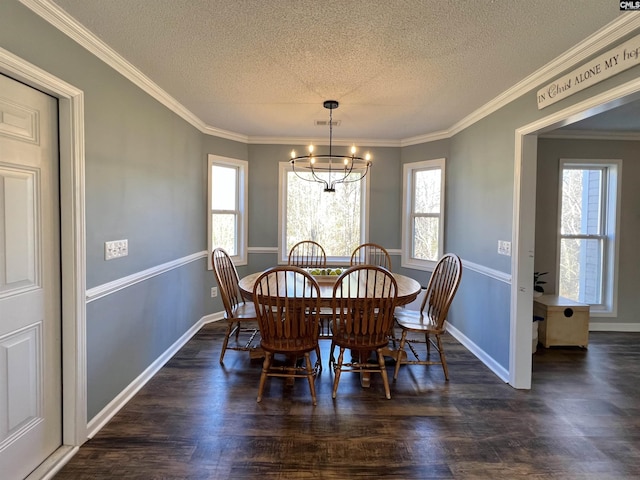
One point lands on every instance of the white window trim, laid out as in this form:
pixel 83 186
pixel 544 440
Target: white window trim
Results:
pixel 243 196
pixel 407 192
pixel 609 308
pixel 283 253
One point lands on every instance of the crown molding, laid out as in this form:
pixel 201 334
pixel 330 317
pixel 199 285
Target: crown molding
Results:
pixel 606 36
pixel 218 132
pixel 58 18
pixel 426 138
pixel 616 30
pixel 591 135
pixel 324 141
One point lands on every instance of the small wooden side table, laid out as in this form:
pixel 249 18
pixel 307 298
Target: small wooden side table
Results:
pixel 566 322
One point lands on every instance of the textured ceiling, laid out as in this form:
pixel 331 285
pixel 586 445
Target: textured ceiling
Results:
pixel 399 68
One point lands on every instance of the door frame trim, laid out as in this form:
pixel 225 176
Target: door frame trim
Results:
pixel 523 233
pixel 72 238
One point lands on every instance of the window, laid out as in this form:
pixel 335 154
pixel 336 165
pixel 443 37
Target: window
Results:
pixel 589 196
pixel 227 225
pixel 336 220
pixel 423 213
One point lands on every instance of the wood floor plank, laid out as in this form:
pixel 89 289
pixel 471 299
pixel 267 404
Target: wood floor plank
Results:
pixel 199 420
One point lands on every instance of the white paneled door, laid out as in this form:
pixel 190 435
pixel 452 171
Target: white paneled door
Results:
pixel 30 324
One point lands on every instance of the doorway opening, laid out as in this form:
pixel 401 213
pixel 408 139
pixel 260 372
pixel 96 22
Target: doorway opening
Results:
pixel 522 266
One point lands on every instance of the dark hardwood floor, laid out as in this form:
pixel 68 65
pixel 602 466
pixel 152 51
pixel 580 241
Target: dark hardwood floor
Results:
pixel 198 420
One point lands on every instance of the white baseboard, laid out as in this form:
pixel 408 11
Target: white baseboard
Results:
pixel 107 413
pixel 54 463
pixel 613 327
pixel 499 370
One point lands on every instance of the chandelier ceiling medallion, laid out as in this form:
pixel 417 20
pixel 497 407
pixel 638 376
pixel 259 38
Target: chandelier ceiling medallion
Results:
pixel 330 169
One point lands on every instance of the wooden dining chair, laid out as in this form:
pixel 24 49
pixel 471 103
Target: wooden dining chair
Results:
pixel 307 253
pixel 240 315
pixel 371 254
pixel 287 303
pixel 441 289
pixel 364 298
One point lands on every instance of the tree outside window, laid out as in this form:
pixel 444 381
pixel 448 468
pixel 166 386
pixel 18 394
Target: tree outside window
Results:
pixel 335 220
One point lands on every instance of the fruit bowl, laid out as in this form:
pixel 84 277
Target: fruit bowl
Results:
pixel 326 275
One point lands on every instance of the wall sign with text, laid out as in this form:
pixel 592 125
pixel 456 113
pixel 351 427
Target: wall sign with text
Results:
pixel 600 68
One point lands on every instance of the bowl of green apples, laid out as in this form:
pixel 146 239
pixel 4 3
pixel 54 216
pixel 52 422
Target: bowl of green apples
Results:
pixel 326 274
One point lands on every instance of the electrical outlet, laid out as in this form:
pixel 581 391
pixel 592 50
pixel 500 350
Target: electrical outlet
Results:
pixel 116 249
pixel 214 292
pixel 504 248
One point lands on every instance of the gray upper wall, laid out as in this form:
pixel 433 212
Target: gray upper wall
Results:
pixel 145 167
pixel 481 182
pixel 145 180
pixel 481 172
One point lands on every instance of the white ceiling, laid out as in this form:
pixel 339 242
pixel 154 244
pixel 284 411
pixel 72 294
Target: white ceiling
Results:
pixel 399 68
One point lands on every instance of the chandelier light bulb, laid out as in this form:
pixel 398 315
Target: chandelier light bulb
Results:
pixel 353 149
pixel 346 162
pixel 367 157
pixel 312 160
pixel 293 154
pixel 310 148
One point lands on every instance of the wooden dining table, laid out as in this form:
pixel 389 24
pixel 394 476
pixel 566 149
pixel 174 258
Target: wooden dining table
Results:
pixel 408 290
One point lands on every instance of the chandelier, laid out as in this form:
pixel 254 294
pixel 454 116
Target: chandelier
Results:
pixel 330 169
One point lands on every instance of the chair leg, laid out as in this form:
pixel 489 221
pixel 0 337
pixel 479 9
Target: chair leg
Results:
pixel 263 377
pixel 238 326
pixel 311 378
pixel 319 360
pixel 332 360
pixel 403 340
pixel 383 371
pixel 337 369
pixel 428 342
pixel 442 359
pixel 226 340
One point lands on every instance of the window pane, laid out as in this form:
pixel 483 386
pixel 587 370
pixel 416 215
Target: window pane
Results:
pixel 224 232
pixel 427 191
pixel 425 238
pixel 581 201
pixel 581 269
pixel 330 218
pixel 223 187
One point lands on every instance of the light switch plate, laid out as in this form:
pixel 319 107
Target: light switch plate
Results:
pixel 116 249
pixel 504 248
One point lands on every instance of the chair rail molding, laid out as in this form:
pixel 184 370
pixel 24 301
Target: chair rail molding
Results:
pixel 488 272
pixel 259 250
pixel 111 287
